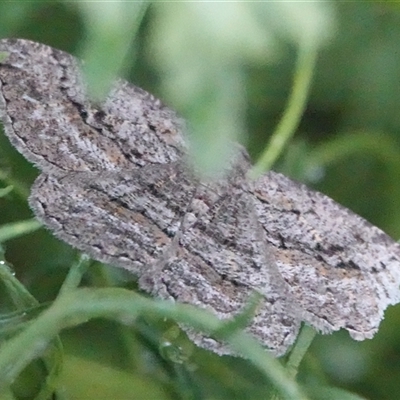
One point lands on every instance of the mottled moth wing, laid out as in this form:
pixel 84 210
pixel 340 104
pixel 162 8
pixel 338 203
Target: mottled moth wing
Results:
pixel 114 185
pixel 41 91
pixel 342 271
pixel 220 258
pixel 127 219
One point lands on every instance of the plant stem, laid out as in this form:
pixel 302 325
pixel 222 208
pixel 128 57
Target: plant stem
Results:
pixel 295 107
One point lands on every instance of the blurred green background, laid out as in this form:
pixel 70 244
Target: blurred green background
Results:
pixel 228 69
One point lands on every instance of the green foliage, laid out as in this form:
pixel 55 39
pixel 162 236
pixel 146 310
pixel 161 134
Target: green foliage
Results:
pixel 229 69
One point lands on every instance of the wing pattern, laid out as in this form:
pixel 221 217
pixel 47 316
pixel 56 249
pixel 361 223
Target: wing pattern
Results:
pixel 115 185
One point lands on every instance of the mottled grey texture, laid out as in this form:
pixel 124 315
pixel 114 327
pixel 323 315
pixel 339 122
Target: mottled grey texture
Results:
pixel 116 186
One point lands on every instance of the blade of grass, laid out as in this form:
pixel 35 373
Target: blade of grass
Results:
pixel 17 229
pixel 78 306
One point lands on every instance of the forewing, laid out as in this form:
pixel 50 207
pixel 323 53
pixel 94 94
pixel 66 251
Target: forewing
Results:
pixel 127 220
pixel 220 260
pixel 343 271
pixel 49 119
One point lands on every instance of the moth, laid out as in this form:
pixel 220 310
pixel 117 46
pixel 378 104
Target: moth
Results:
pixel 116 184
